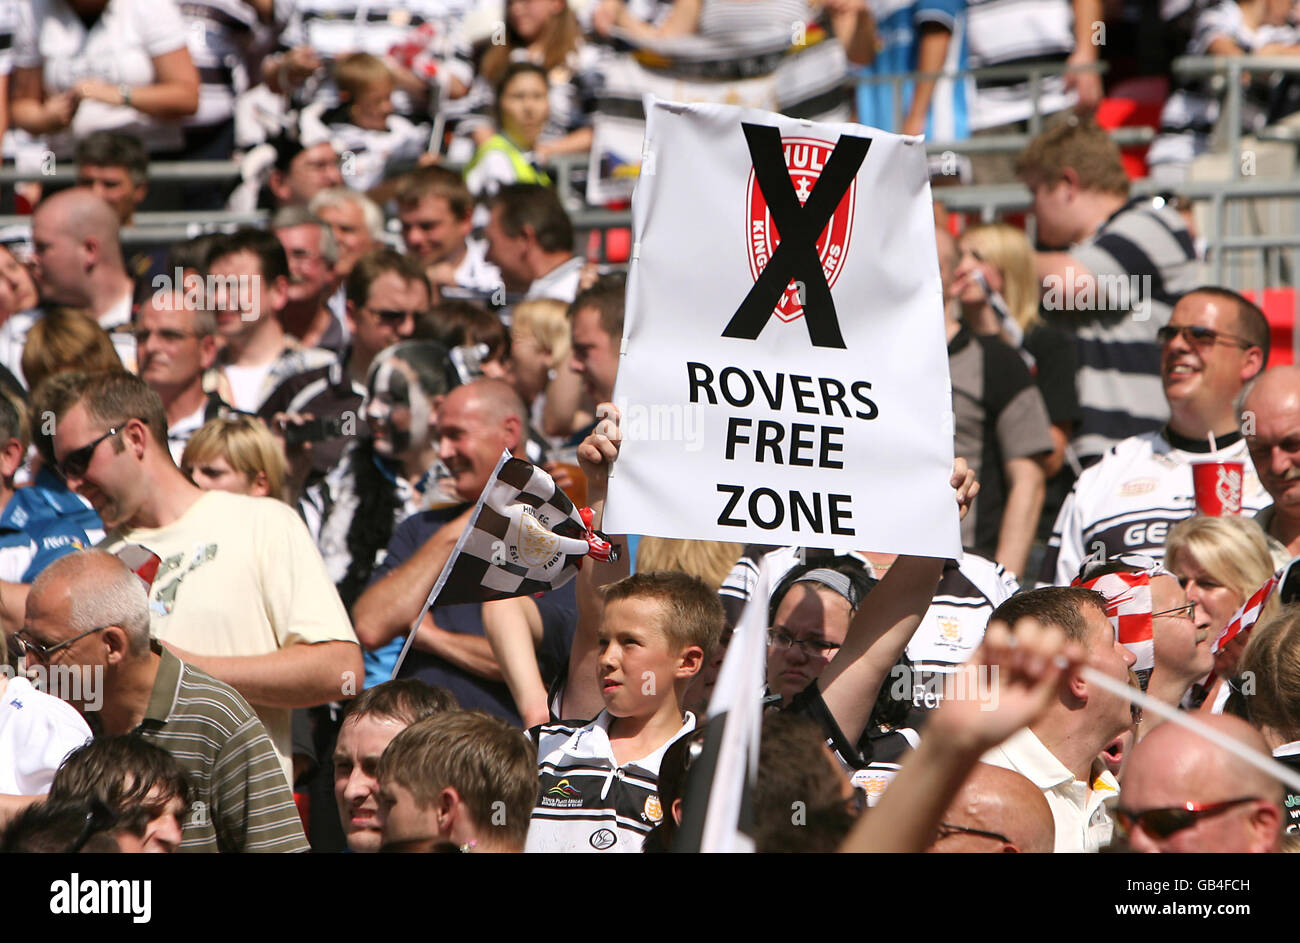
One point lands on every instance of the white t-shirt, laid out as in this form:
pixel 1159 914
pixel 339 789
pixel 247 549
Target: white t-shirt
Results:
pixel 119 48
pixel 247 385
pixel 240 576
pixel 37 731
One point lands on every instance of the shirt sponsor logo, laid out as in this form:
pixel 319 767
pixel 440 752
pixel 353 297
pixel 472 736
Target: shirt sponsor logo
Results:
pixel 602 838
pixel 1138 486
pixel 562 795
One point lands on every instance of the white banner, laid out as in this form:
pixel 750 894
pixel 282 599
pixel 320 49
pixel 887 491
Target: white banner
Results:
pixel 785 376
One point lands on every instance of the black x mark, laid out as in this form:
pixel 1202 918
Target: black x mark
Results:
pixel 799 226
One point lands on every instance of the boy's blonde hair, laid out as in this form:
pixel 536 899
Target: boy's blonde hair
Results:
pixel 244 442
pixel 1008 250
pixel 1081 145
pixel 546 320
pixel 692 612
pixel 359 72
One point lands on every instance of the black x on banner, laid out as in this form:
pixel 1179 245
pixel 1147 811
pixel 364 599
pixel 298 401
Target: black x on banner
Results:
pixel 799 226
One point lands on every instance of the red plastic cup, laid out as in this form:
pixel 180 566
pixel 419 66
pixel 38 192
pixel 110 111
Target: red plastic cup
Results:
pixel 1218 487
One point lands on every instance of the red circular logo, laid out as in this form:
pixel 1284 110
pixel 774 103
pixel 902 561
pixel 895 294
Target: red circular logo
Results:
pixel 804 159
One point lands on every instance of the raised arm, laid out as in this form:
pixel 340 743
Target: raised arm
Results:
pixel 883 626
pixel 514 629
pixel 1029 669
pixel 595 456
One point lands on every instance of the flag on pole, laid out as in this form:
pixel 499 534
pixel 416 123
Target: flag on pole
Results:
pixel 1128 606
pixel 1244 619
pixel 718 808
pixel 525 537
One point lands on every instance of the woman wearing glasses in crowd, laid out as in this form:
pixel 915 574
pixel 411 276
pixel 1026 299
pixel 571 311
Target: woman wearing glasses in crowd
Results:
pixel 1220 561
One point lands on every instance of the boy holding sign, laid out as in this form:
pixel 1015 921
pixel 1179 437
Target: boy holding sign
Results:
pixel 634 656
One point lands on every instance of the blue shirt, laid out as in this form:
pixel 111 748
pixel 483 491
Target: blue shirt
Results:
pixel 559 610
pixel 898 25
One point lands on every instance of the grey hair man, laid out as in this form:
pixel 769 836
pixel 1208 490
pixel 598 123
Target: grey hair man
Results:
pixel 87 611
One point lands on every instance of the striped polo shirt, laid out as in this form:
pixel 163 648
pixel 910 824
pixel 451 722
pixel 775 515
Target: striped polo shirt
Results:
pixel 240 801
pixel 1141 260
pixel 586 801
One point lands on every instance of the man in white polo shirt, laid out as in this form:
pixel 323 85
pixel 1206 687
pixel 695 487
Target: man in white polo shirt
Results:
pixel 1059 753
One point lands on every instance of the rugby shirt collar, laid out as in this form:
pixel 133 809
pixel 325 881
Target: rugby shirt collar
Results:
pixel 592 742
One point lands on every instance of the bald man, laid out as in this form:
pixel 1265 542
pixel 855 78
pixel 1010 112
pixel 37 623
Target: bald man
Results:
pixel 476 423
pixel 997 811
pixel 1234 806
pixel 1271 424
pixel 98 611
pixel 79 262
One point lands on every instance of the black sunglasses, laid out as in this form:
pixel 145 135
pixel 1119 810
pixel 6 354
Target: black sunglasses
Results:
pixel 19 646
pixel 1200 336
pixel 1161 823
pixel 76 462
pixel 947 829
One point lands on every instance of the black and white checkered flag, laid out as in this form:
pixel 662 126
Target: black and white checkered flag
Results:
pixel 524 538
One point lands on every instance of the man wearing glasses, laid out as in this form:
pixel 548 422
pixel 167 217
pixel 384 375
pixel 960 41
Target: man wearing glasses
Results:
pixel 177 345
pixel 997 810
pixel 1214 344
pixel 241 592
pixel 1183 793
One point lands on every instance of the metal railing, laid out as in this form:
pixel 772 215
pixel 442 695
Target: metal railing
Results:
pixel 1227 72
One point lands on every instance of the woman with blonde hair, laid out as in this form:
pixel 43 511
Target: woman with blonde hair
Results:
pixel 67 339
pixel 539 368
pixel 237 454
pixel 996 283
pixel 709 560
pixel 1220 561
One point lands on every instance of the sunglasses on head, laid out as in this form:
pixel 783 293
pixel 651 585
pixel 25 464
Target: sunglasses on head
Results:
pixel 1161 823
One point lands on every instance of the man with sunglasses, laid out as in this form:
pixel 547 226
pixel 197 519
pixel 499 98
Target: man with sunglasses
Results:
pixel 242 592
pixel 1183 793
pixel 1215 343
pixel 997 810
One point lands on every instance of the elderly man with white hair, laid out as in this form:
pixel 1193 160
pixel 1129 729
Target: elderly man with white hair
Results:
pixel 88 610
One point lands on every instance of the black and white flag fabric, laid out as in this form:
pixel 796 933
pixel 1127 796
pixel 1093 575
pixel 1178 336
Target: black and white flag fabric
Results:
pixel 525 537
pixel 718 806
